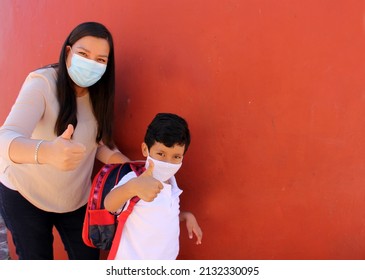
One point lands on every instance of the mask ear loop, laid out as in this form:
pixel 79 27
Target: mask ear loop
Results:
pixel 147 161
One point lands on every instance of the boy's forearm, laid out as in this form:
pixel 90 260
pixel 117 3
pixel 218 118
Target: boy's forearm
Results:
pixel 119 196
pixel 183 216
pixel 144 186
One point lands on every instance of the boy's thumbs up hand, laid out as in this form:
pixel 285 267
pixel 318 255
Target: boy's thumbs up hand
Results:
pixel 66 154
pixel 147 187
pixel 149 169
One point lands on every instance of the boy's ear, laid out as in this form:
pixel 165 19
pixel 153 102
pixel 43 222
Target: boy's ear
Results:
pixel 144 149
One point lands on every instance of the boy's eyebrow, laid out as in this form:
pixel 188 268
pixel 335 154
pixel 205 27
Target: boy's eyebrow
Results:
pixel 164 151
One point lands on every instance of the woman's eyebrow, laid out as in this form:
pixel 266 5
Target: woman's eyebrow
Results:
pixel 86 50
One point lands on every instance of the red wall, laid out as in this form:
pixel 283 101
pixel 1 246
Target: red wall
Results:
pixel 274 92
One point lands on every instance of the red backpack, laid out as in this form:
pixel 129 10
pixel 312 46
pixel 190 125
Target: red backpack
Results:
pixel 101 228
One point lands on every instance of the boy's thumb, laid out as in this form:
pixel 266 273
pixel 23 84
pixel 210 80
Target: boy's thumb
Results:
pixel 149 169
pixel 67 134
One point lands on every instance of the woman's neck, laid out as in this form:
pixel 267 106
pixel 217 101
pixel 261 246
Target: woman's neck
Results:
pixel 80 91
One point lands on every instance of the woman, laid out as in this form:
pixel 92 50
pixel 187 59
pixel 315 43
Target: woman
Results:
pixel 61 121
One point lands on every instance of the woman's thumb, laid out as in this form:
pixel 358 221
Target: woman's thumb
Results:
pixel 67 134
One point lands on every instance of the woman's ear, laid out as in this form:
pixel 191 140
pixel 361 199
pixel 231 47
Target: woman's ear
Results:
pixel 144 149
pixel 68 56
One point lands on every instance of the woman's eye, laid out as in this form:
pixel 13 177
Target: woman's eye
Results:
pixel 100 60
pixel 82 54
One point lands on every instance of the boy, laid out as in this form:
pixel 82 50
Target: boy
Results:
pixel 151 231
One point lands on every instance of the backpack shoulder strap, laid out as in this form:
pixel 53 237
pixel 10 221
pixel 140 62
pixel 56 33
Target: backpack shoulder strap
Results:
pixel 138 168
pixel 122 218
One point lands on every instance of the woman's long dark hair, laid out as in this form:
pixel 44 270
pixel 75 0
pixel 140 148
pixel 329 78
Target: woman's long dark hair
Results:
pixel 101 93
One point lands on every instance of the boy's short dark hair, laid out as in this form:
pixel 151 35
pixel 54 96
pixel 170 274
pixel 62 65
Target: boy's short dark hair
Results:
pixel 168 129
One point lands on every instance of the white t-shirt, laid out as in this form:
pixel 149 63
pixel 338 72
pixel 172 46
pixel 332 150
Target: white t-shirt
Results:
pixel 152 230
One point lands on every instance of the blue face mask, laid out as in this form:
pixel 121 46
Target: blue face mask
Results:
pixel 85 72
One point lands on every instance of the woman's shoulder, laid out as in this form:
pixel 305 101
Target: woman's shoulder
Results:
pixel 43 79
pixel 48 73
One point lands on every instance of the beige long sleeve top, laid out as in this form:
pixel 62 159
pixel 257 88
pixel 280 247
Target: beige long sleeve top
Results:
pixel 33 116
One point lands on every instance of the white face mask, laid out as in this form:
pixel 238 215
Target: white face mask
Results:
pixel 85 72
pixel 163 171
